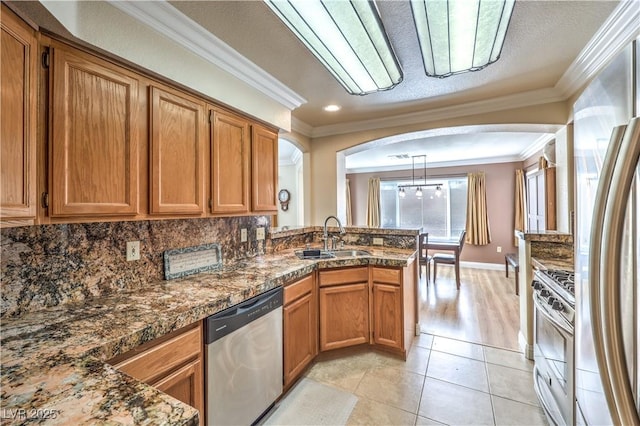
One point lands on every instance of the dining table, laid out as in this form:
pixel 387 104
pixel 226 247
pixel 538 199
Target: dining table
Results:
pixel 447 244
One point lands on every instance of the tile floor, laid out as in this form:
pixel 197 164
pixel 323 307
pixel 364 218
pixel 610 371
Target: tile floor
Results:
pixel 443 381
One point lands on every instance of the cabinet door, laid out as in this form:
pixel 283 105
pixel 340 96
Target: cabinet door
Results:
pixel 387 315
pixel 18 80
pixel 344 315
pixel 230 152
pixel 177 153
pixel 264 169
pixel 186 385
pixel 94 143
pixel 300 338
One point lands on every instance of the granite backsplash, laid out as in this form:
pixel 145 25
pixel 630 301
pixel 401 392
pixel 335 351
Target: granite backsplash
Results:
pixel 281 238
pixel 51 265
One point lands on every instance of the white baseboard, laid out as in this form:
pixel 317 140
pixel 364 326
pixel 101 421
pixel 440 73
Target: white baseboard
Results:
pixel 526 348
pixel 480 265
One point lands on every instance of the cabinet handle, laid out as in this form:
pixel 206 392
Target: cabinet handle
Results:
pixel 45 200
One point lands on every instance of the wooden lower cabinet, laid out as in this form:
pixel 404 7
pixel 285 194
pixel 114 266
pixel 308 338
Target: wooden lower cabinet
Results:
pixel 300 327
pixel 387 315
pixel 172 364
pixel 344 309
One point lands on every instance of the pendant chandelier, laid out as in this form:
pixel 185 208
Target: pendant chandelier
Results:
pixel 421 182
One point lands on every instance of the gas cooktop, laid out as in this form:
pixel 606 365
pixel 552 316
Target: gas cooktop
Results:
pixel 561 281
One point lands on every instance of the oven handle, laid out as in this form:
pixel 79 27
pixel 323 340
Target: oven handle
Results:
pixel 566 327
pixel 617 385
pixel 536 385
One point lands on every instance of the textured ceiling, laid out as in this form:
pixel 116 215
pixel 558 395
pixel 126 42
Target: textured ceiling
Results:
pixel 544 38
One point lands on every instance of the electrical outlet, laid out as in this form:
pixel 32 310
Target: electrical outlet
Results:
pixel 378 241
pixel 133 250
pixel 499 249
pixel 260 234
pixel 243 235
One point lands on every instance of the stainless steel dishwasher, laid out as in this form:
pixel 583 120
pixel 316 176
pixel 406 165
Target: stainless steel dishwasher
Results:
pixel 244 360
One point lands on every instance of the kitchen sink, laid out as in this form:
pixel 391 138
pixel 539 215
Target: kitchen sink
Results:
pixel 350 253
pixel 314 254
pixel 321 254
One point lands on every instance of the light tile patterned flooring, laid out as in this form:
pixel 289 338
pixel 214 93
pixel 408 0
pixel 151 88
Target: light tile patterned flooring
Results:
pixel 443 381
pixel 446 379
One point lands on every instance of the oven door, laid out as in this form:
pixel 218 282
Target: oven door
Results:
pixel 553 372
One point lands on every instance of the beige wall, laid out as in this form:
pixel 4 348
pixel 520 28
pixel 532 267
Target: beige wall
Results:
pixel 324 169
pixel 500 180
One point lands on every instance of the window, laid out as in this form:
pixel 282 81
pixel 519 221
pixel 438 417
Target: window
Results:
pixel 441 216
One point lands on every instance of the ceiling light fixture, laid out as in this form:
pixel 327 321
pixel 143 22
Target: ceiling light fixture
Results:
pixel 460 35
pixel 419 185
pixel 347 37
pixel 332 108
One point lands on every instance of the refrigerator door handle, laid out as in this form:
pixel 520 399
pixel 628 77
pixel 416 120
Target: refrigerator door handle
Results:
pixel 616 383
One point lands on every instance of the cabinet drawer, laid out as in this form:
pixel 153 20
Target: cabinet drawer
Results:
pixel 344 276
pixel 385 275
pixel 297 289
pixel 164 357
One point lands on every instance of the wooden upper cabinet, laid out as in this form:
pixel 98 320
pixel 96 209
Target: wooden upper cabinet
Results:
pixel 230 150
pixel 94 136
pixel 18 80
pixel 264 169
pixel 177 135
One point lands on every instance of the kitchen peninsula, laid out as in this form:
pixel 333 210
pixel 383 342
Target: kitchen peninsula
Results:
pixel 54 360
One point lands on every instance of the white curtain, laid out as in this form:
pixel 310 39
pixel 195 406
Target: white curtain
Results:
pixel 348 198
pixel 373 203
pixel 478 232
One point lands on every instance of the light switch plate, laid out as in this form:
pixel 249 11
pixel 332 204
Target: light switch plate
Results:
pixel 243 235
pixel 499 249
pixel 133 250
pixel 260 234
pixel 378 241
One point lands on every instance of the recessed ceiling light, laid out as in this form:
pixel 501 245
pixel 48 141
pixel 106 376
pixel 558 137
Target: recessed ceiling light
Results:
pixel 332 108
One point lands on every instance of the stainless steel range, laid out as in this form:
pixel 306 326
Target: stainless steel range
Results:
pixel 554 300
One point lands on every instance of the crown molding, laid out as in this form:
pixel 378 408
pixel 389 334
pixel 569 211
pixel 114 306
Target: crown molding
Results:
pixel 301 127
pixel 536 146
pixel 455 163
pixel 524 99
pixel 620 28
pixel 173 24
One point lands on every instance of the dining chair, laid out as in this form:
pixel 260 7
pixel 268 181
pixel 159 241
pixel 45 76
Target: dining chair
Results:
pixel 450 259
pixel 423 255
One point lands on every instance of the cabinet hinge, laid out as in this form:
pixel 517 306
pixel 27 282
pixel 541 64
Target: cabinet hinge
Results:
pixel 45 59
pixel 210 203
pixel 45 200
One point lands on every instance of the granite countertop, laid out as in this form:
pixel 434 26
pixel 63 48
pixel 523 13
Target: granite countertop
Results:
pixel 545 236
pixel 543 264
pixel 53 361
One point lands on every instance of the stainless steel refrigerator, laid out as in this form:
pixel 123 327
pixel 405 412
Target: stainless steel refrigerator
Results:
pixel 607 245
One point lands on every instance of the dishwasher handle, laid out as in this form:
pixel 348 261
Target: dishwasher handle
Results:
pixel 231 319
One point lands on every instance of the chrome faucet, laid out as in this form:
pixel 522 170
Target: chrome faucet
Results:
pixel 325 233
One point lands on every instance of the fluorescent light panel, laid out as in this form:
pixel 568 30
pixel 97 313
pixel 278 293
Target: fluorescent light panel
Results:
pixel 460 35
pixel 347 37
